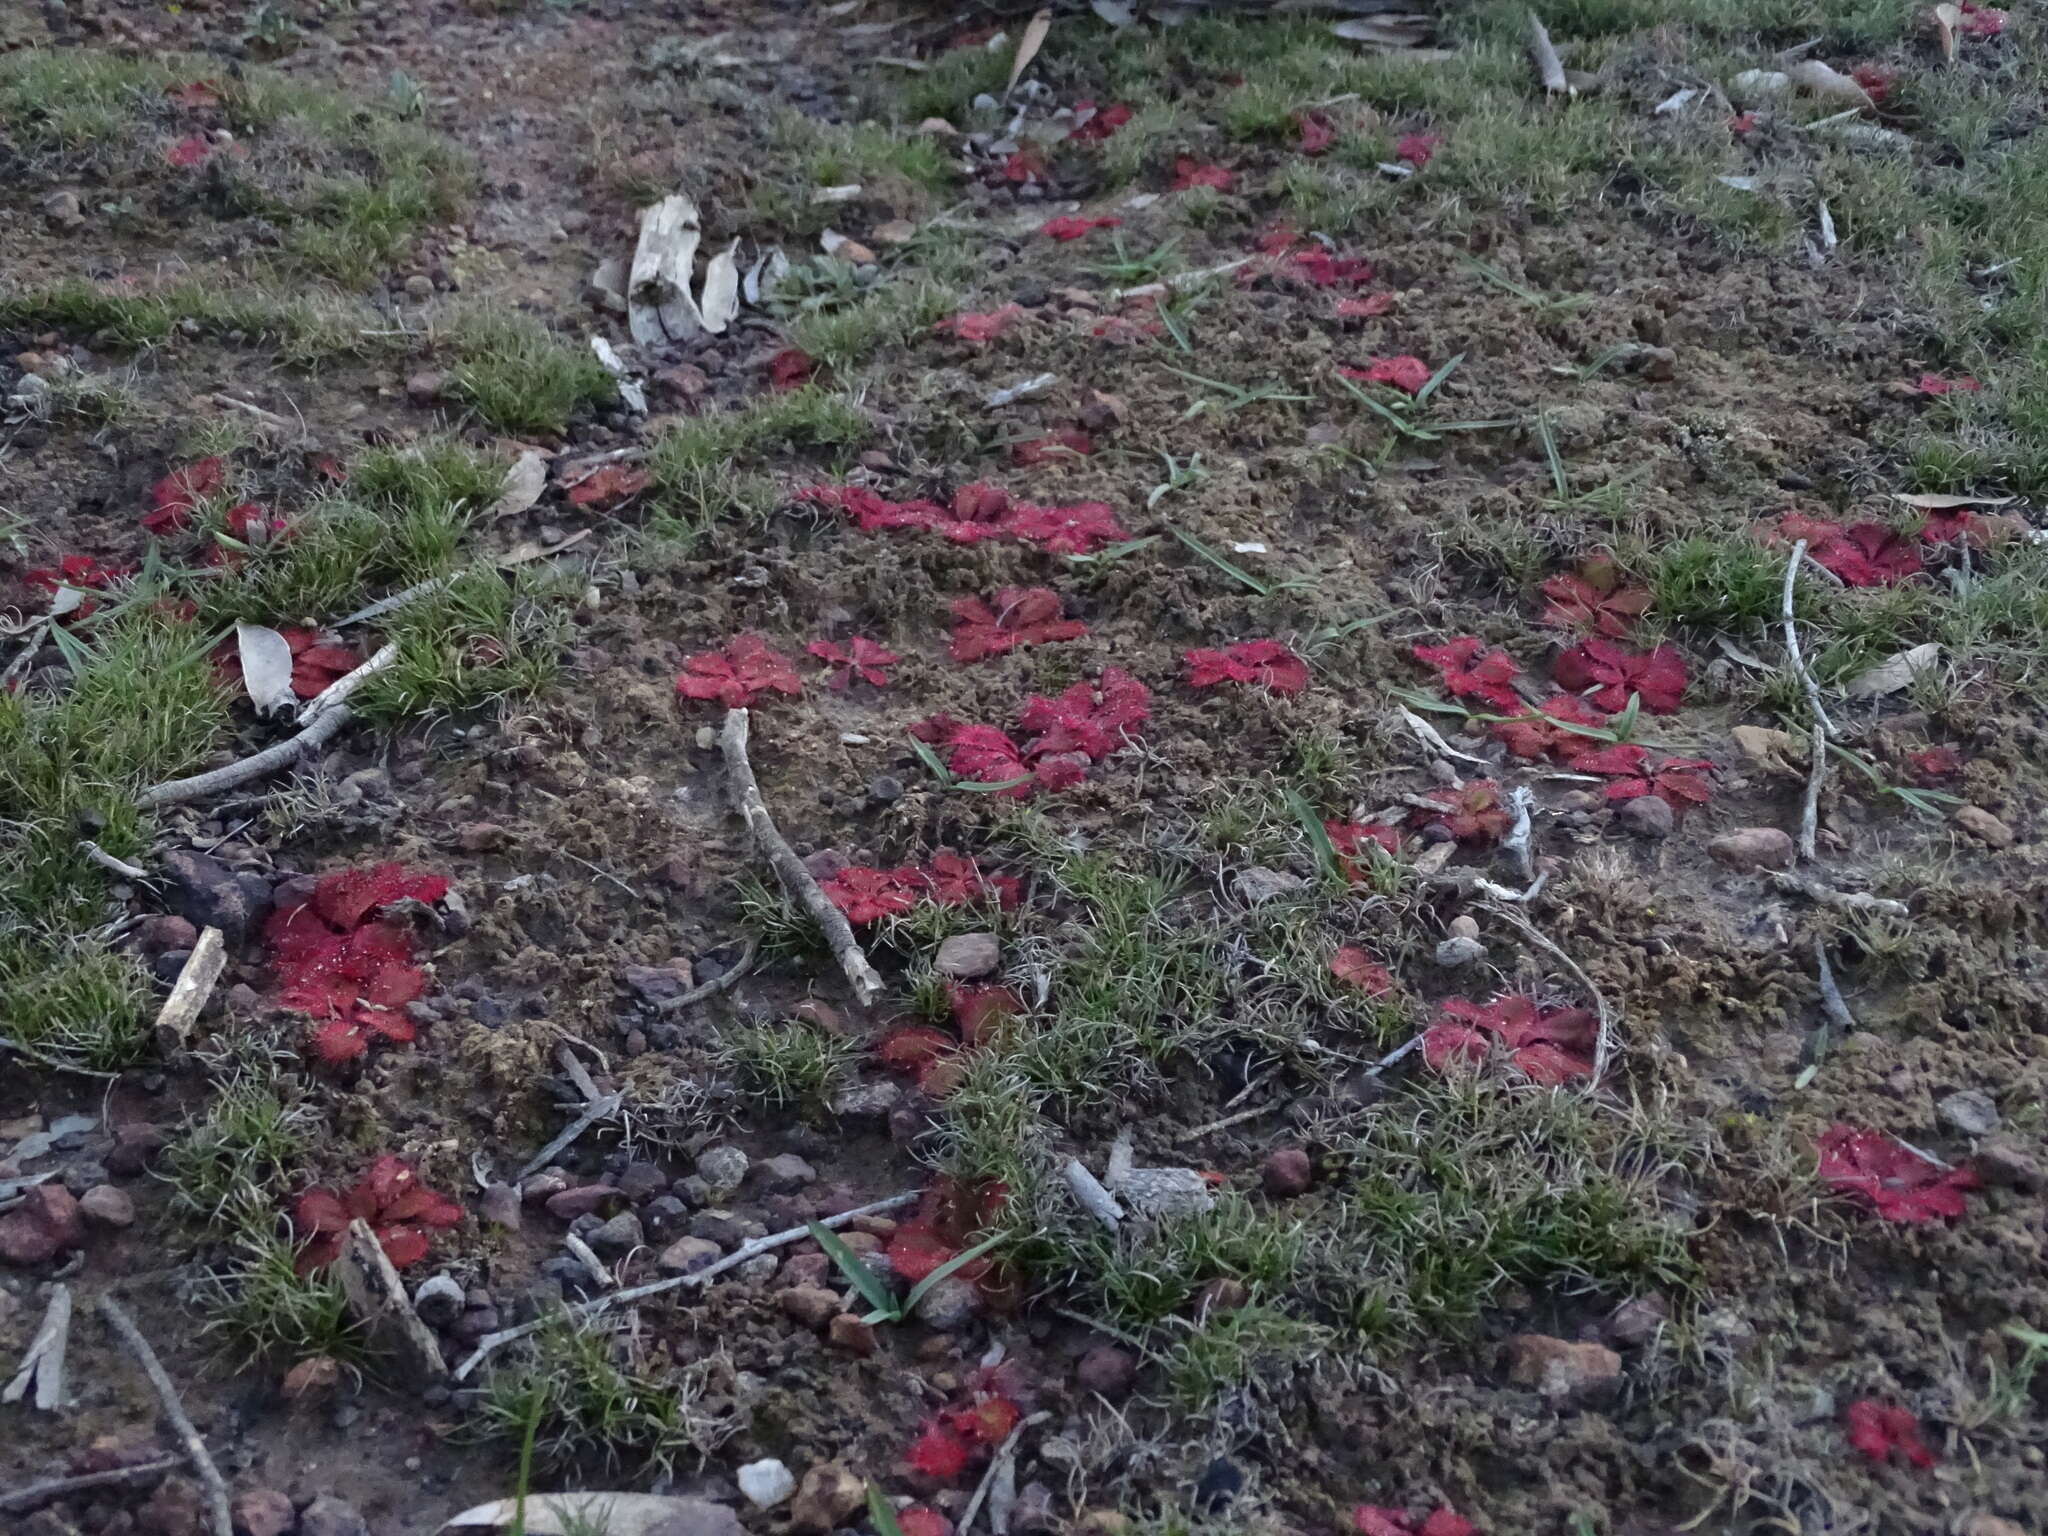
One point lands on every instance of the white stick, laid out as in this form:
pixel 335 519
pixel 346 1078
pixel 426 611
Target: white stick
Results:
pixel 789 869
pixel 1548 65
pixel 107 861
pixel 167 1394
pixel 1091 1196
pixel 738 1256
pixel 1817 766
pixel 336 692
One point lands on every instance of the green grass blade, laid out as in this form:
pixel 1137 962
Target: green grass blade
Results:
pixel 1227 567
pixel 865 1280
pixel 946 1269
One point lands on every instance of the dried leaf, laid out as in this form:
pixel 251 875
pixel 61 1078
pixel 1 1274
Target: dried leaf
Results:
pixel 719 304
pixel 1948 19
pixel 1027 48
pixel 1893 673
pixel 266 668
pixel 1773 751
pixel 522 484
pixel 1830 84
pixel 1115 12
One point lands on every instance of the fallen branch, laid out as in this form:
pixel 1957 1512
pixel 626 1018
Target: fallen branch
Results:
pixel 195 985
pixel 717 984
pixel 43 1364
pixel 789 869
pixel 50 1063
pixel 1548 65
pixel 1828 896
pixel 38 632
pixel 1820 726
pixel 1395 1057
pixel 1603 1041
pixel 174 1410
pixel 739 1255
pixel 269 760
pixel 35 1495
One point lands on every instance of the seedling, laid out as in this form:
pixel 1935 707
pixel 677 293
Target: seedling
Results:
pixel 1928 802
pixel 888 1308
pixel 950 780
pixel 1620 728
pixel 1235 397
pixel 1398 410
pixel 1541 302
pixel 1230 567
pixel 1128 271
pixel 1179 477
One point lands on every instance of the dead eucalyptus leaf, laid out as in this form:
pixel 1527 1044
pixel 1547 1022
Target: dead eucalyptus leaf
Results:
pixel 1114 12
pixel 719 304
pixel 1027 48
pixel 568 1514
pixel 522 484
pixel 1948 20
pixel 1893 673
pixel 1939 502
pixel 266 668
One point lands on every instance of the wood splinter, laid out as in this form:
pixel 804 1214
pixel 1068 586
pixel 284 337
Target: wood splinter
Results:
pixel 181 1010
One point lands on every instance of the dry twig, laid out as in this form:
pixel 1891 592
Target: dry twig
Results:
pixel 35 1495
pixel 789 869
pixel 739 1255
pixel 310 740
pixel 167 1393
pixel 1603 1041
pixel 717 984
pixel 1090 1195
pixel 98 855
pixel 1004 1457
